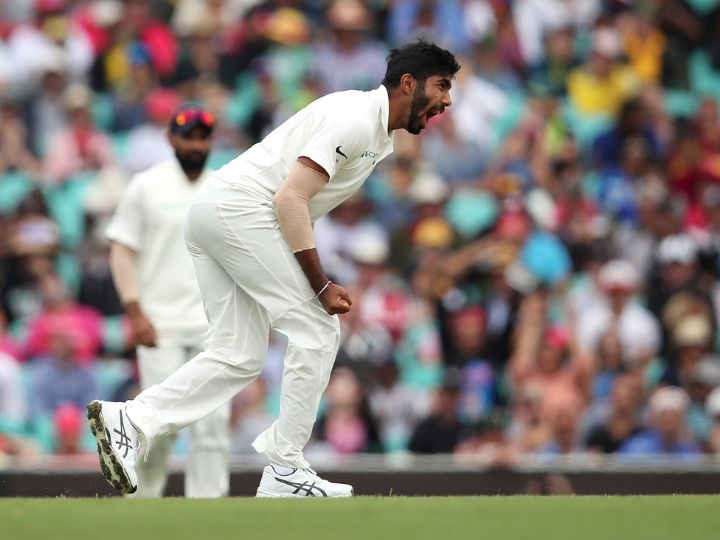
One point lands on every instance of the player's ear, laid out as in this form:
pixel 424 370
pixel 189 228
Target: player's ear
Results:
pixel 408 84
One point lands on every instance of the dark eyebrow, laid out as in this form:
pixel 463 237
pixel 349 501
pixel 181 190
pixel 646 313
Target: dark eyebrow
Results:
pixel 445 82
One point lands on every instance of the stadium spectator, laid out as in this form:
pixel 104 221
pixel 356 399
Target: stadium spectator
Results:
pixel 396 405
pixel 621 420
pixel 147 143
pixel 128 100
pixel 602 83
pixel 441 22
pixel 8 346
pixel 349 57
pixel 440 432
pixel 691 340
pixel 459 160
pixel 562 421
pixel 704 377
pixel 712 407
pixel 678 291
pixel 59 377
pixel 68 421
pixel 546 359
pixel 536 18
pixel 609 357
pixel 12 400
pixel 559 60
pixel 636 328
pixel 684 30
pixel 633 121
pixel 43 108
pixel 81 147
pixel 347 426
pixel 32 42
pixel 346 226
pixel 644 44
pixel 32 240
pixel 480 104
pixel 15 152
pixel 78 325
pixel 139 24
pixel 371 328
pixel 667 431
pixel 249 415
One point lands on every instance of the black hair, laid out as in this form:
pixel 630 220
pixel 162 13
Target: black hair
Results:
pixel 421 59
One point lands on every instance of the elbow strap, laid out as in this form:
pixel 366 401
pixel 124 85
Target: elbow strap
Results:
pixel 291 206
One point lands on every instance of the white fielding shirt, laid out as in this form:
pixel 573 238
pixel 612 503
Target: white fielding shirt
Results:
pixel 346 133
pixel 150 219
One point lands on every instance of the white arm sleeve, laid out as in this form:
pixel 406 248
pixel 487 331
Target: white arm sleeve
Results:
pixel 291 205
pixel 338 140
pixel 122 267
pixel 126 225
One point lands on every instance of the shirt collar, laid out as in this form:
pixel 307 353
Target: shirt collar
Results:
pixel 383 100
pixel 181 173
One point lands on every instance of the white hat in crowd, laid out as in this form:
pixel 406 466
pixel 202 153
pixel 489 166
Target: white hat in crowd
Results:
pixel 369 247
pixel 693 330
pixel 669 398
pixel 427 187
pixel 712 403
pixel 677 248
pixel 618 275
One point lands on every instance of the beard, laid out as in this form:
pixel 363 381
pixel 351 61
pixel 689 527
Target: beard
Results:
pixel 419 102
pixel 193 161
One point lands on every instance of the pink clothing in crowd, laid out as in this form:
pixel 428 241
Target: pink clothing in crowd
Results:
pixel 82 324
pixel 72 152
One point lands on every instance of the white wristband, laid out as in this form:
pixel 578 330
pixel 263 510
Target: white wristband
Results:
pixel 323 289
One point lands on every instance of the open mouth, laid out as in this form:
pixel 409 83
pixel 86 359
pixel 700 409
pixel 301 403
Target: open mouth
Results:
pixel 432 112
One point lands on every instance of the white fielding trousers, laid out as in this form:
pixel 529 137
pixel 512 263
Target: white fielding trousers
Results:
pixel 207 468
pixel 250 282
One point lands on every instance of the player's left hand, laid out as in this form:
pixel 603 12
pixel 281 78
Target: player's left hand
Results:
pixel 335 299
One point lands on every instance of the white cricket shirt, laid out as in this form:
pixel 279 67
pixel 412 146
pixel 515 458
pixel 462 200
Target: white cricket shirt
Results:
pixel 150 219
pixel 346 133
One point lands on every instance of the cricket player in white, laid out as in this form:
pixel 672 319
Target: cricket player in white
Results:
pixel 250 234
pixel 154 275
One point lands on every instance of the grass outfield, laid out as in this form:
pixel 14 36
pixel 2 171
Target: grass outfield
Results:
pixel 367 518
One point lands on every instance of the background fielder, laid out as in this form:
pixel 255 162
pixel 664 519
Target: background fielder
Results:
pixel 156 280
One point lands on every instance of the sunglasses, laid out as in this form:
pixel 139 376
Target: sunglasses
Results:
pixel 192 115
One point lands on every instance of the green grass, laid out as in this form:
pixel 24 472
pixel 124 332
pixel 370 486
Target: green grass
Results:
pixel 367 518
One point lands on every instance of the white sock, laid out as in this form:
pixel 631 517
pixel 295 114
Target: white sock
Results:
pixel 281 469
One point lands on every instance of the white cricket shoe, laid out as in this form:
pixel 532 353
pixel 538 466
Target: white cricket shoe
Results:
pixel 117 443
pixel 299 483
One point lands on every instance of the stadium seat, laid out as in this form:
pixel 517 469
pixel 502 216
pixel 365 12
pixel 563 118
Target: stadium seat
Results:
pixel 14 187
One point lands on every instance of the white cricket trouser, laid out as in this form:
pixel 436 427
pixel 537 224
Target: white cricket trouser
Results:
pixel 250 282
pixel 207 468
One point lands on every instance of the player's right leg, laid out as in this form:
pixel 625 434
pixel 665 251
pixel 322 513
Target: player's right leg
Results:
pixel 235 352
pixel 117 443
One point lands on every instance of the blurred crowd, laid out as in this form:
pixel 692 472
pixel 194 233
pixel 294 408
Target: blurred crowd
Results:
pixel 535 274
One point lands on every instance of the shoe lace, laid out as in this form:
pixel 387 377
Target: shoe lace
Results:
pixel 311 472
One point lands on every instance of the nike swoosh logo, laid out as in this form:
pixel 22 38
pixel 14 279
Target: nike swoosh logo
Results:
pixel 340 152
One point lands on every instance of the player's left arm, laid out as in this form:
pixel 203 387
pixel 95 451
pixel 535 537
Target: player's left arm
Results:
pixel 305 180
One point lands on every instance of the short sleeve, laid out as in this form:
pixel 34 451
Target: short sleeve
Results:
pixel 336 141
pixel 127 223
